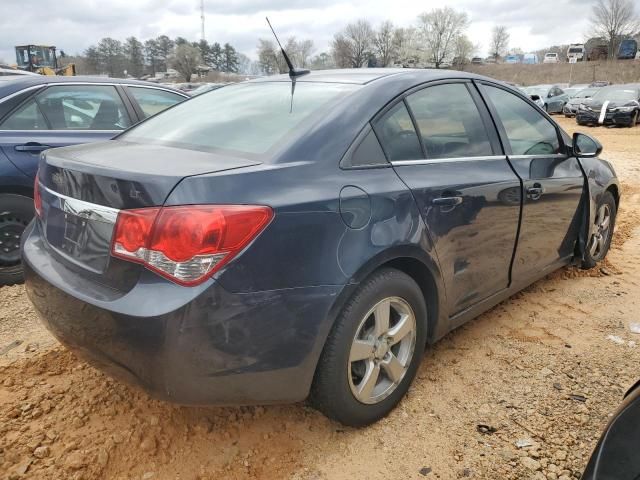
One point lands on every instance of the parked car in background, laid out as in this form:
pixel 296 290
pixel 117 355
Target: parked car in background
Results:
pixel 513 59
pixel 245 248
pixel 186 87
pixel 530 59
pixel 628 49
pixel 616 454
pixel 571 107
pixel 207 87
pixel 40 112
pixel 596 49
pixel 600 83
pixel 14 72
pixel 576 51
pixel 477 60
pixel 573 89
pixel 551 97
pixel 551 57
pixel 612 105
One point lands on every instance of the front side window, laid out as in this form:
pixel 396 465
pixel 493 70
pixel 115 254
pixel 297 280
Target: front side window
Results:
pixel 71 107
pixel 153 100
pixel 249 118
pixel 528 131
pixel 449 122
pixel 398 136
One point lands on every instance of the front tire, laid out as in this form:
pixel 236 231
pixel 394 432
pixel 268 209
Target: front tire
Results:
pixel 373 351
pixel 16 211
pixel 634 120
pixel 604 224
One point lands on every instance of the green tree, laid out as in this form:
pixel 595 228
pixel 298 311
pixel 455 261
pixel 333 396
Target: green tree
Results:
pixel 205 51
pixel 165 49
pixel 180 41
pixel 92 60
pixel 152 53
pixel 215 54
pixel 111 56
pixel 229 59
pixel 133 50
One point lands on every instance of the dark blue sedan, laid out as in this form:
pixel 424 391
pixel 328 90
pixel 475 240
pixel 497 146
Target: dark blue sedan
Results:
pixel 39 112
pixel 308 244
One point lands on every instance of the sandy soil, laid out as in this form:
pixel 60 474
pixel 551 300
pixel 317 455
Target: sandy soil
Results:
pixel 521 392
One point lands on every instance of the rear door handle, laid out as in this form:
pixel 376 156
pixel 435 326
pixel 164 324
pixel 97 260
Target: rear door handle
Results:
pixel 31 147
pixel 446 201
pixel 535 192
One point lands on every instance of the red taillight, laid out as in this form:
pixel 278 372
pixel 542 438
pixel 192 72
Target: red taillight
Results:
pixel 187 244
pixel 37 199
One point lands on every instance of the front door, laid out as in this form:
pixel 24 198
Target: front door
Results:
pixel 552 180
pixel 441 143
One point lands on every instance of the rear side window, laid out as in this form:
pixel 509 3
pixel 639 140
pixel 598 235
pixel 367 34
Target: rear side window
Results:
pixel 366 152
pixel 71 107
pixel 397 135
pixel 153 100
pixel 449 122
pixel 528 131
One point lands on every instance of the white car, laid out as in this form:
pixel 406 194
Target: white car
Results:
pixel 550 57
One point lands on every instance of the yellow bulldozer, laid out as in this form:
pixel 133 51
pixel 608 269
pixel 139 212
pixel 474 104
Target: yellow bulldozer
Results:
pixel 41 59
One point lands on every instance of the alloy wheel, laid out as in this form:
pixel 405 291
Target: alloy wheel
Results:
pixel 381 350
pixel 600 237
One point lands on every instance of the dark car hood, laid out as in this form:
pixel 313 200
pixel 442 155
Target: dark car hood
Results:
pixel 598 104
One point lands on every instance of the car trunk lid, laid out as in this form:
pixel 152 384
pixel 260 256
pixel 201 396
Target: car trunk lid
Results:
pixel 83 188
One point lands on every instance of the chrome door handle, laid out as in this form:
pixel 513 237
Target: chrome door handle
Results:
pixel 446 201
pixel 31 147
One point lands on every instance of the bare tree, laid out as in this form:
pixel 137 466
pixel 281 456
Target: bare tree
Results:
pixel 383 44
pixel 352 47
pixel 270 58
pixel 614 20
pixel 185 60
pixel 464 50
pixel 499 41
pixel 405 41
pixel 439 29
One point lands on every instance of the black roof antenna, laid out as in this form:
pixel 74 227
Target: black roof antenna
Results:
pixel 294 73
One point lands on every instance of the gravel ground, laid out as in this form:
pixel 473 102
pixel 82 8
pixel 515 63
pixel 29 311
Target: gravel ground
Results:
pixel 521 392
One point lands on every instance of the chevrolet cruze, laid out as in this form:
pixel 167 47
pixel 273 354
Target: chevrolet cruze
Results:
pixel 264 244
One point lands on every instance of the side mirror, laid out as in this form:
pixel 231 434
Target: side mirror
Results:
pixel 585 146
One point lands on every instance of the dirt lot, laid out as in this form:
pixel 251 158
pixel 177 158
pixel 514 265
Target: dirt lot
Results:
pixel 521 392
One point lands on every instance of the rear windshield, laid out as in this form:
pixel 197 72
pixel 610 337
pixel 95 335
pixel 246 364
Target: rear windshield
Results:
pixel 248 118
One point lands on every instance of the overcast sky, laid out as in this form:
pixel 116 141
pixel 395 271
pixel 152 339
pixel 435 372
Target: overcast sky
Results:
pixel 73 25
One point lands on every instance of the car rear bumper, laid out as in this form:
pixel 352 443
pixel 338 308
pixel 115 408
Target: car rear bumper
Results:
pixel 611 118
pixel 217 348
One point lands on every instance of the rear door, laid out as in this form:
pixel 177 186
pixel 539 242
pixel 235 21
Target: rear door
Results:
pixel 552 180
pixel 61 115
pixel 442 144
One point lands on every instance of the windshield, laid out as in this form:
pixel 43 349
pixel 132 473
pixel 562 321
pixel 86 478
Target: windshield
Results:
pixel 576 50
pixel 541 92
pixel 616 94
pixel 40 56
pixel 586 93
pixel 249 118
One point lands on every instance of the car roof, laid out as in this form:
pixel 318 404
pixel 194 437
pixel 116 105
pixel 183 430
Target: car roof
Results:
pixel 18 83
pixel 363 76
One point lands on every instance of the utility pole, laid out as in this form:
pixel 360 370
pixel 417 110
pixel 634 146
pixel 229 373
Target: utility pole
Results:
pixel 201 19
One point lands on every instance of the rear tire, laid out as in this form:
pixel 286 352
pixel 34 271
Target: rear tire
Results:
pixel 357 350
pixel 604 224
pixel 16 211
